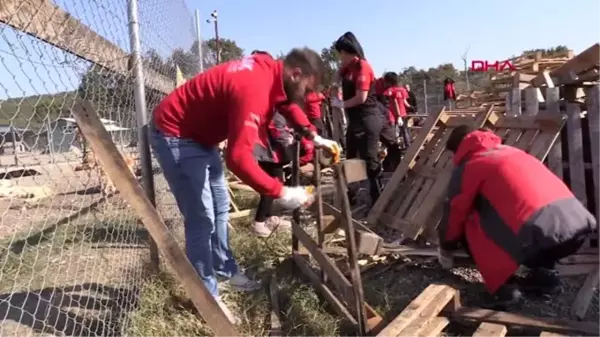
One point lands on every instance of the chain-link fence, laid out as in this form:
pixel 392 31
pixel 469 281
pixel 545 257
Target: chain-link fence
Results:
pixel 72 253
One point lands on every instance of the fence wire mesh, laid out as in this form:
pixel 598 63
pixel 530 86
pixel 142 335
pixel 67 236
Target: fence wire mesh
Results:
pixel 72 253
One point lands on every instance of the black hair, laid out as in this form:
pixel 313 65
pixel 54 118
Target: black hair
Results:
pixel 448 80
pixel 349 43
pixel 307 60
pixel 391 78
pixel 457 135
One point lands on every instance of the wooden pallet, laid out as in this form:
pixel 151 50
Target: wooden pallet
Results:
pixel 405 203
pixel 439 305
pixel 344 294
pixel 412 202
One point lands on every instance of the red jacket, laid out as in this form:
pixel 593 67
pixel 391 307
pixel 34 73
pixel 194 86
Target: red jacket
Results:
pixel 280 150
pixel 397 94
pixel 312 103
pixel 233 101
pixel 508 206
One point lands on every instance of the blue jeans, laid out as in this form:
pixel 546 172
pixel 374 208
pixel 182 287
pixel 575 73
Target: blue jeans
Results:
pixel 196 178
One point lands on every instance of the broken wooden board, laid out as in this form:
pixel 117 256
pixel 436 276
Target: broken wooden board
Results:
pixel 408 200
pixel 439 305
pixel 119 173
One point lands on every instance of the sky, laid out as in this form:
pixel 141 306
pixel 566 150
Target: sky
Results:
pixel 394 34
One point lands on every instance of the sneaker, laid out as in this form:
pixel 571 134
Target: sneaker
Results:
pixel 261 229
pixel 230 315
pixel 278 223
pixel 274 223
pixel 541 282
pixel 240 282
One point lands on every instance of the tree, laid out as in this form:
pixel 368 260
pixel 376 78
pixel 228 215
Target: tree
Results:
pixel 331 59
pixel 229 50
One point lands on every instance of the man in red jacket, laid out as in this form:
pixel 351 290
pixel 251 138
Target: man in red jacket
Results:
pixel 232 101
pixel 507 209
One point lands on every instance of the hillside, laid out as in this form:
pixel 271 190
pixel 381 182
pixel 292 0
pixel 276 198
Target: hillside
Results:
pixel 32 111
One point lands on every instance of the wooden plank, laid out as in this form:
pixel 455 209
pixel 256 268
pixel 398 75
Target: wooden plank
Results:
pixel 574 269
pixel 555 162
pixel 490 329
pixel 580 259
pixel 275 308
pixel 413 310
pixel 335 303
pixel 367 241
pixel 575 144
pixel 550 334
pixel 548 324
pixel 333 272
pixel 432 309
pixel 413 150
pixel 49 23
pixel 434 327
pixel 532 104
pixel 347 224
pixel 117 170
pixel 319 204
pixel 583 61
pixel 515 102
pixel 355 170
pixel 585 294
pixel 593 116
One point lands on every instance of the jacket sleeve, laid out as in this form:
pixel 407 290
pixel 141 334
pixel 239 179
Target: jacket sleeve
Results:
pixel 242 135
pixel 296 116
pixel 457 207
pixel 308 151
pixel 279 131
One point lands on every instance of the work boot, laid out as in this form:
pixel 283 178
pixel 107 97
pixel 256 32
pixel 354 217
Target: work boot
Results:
pixel 506 296
pixel 541 282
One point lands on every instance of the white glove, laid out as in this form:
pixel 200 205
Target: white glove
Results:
pixel 332 146
pixel 445 258
pixel 337 103
pixel 297 196
pixel 400 122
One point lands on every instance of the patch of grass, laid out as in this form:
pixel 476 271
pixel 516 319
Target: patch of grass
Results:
pixel 23 257
pixel 165 310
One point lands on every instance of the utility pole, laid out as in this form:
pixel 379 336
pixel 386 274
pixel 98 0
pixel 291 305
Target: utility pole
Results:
pixel 214 18
pixel 199 36
pixel 464 58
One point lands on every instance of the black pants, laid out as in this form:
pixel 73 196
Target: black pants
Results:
pixel 405 134
pixel 389 140
pixel 318 123
pixel 547 258
pixel 265 205
pixel 362 141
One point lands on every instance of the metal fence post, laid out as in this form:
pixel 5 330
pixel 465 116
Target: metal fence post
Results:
pixel 142 117
pixel 199 37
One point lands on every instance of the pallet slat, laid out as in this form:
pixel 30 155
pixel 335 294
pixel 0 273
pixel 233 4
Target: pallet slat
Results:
pixel 490 329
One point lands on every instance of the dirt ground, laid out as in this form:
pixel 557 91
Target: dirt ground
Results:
pixel 70 263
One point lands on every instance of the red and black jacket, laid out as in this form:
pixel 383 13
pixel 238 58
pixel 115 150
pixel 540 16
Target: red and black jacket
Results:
pixel 358 75
pixel 507 206
pixel 449 90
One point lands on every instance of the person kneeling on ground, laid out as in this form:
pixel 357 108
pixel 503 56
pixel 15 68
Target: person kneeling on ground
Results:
pixel 272 162
pixel 507 209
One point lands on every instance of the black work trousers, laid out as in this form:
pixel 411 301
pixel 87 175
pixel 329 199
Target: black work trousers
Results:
pixel 548 258
pixel 265 205
pixel 390 141
pixel 362 141
pixel 318 123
